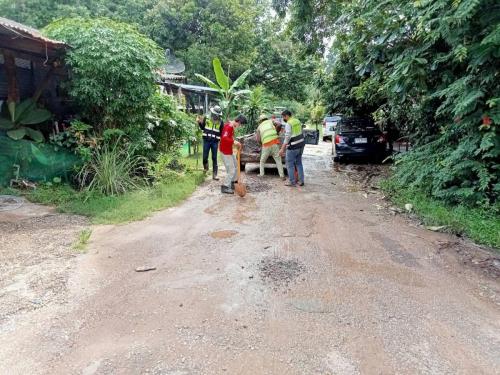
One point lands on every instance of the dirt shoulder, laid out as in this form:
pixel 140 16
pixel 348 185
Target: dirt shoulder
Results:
pixel 315 280
pixel 36 258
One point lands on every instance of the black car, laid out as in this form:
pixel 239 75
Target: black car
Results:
pixel 358 137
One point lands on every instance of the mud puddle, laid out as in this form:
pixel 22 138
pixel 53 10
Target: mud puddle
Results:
pixel 222 234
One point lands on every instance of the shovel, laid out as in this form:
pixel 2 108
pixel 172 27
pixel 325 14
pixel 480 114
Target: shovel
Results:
pixel 239 188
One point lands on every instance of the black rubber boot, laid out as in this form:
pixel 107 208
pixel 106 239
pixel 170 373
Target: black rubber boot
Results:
pixel 205 167
pixel 224 189
pixel 232 184
pixel 214 174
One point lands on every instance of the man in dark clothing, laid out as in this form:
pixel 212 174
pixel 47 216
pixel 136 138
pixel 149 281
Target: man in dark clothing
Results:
pixel 212 129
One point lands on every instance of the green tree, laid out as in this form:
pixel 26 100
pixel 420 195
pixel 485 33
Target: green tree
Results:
pixel 39 13
pixel 168 127
pixel 279 65
pixel 199 30
pixel 229 91
pixel 113 70
pixel 244 33
pixel 430 67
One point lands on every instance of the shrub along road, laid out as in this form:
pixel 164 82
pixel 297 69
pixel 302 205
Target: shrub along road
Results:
pixel 318 280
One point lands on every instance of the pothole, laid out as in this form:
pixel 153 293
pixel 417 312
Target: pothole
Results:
pixel 280 272
pixel 221 234
pixel 256 186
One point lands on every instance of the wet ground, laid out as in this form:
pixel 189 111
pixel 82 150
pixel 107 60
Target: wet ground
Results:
pixel 323 279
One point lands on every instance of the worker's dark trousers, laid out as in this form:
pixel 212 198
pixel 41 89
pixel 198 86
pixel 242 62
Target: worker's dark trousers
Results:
pixel 210 145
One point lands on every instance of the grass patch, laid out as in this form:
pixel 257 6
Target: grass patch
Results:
pixel 134 205
pixel 82 240
pixel 480 225
pixel 131 206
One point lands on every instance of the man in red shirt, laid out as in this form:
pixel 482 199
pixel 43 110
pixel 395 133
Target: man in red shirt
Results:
pixel 226 148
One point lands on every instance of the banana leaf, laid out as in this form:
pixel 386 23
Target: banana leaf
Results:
pixel 221 77
pixel 12 110
pixel 240 80
pixel 17 134
pixel 35 116
pixel 35 135
pixel 208 82
pixel 6 124
pixel 25 107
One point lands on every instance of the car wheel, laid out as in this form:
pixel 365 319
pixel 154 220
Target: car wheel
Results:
pixel 336 159
pixel 380 158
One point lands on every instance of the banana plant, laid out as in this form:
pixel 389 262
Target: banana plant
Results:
pixel 22 114
pixel 228 91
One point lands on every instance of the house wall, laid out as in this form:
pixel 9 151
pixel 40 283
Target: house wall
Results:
pixel 29 76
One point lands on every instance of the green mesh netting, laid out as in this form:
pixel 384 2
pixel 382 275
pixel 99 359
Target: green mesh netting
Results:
pixel 33 161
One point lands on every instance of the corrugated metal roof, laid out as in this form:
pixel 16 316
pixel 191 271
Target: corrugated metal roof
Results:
pixel 191 87
pixel 173 76
pixel 27 32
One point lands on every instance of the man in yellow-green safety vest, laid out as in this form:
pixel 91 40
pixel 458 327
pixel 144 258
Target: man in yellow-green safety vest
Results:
pixel 294 145
pixel 268 136
pixel 212 129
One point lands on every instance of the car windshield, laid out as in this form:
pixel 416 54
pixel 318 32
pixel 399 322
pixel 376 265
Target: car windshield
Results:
pixel 357 125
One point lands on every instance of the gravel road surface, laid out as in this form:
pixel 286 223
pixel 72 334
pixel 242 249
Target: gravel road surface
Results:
pixel 323 279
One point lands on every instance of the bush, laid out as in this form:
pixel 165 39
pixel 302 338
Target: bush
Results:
pixel 167 167
pixel 434 75
pixel 112 170
pixel 76 138
pixel 168 128
pixel 113 69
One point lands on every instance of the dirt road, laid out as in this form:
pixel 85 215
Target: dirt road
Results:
pixel 315 280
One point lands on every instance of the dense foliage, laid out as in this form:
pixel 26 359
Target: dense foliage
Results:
pixel 199 30
pixel 280 65
pixel 168 128
pixel 113 69
pixel 244 34
pixel 431 68
pixel 113 82
pixel 39 13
